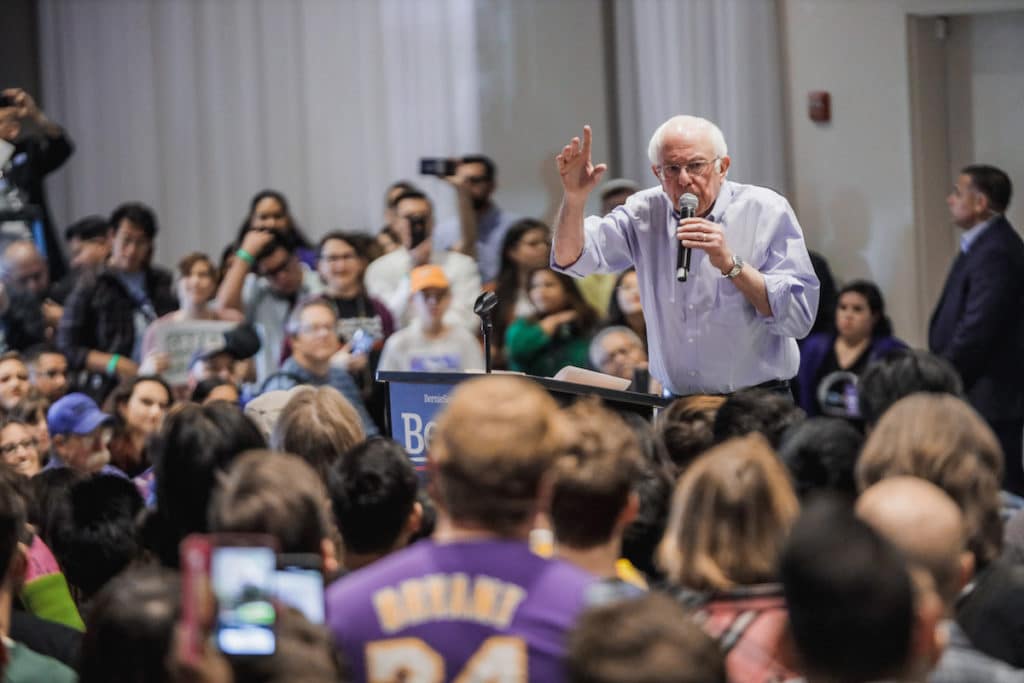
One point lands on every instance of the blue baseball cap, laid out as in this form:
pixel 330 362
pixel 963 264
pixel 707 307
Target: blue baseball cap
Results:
pixel 75 414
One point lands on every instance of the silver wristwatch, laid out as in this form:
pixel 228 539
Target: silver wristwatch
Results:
pixel 737 266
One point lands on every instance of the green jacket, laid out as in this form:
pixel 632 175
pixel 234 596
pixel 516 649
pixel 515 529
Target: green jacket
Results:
pixel 532 351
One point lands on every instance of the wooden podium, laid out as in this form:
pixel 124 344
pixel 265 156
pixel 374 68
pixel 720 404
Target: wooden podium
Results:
pixel 414 398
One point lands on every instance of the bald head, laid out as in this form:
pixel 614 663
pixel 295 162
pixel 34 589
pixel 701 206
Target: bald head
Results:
pixel 24 268
pixel 922 521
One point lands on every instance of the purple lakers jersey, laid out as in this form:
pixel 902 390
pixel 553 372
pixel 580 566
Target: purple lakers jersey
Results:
pixel 474 612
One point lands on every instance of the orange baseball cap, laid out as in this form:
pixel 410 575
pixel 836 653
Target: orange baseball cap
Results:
pixel 429 276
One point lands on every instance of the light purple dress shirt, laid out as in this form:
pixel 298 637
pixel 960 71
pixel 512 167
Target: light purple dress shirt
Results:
pixel 704 336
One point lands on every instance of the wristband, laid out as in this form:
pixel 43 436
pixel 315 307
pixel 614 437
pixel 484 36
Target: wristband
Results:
pixel 246 256
pixel 112 364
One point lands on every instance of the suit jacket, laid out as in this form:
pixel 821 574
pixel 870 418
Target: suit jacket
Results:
pixel 978 324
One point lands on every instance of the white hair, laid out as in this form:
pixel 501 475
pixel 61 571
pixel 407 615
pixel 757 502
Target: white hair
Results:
pixel 688 123
pixel 596 352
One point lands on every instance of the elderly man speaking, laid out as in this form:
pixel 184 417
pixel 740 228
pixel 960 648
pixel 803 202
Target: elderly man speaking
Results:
pixel 751 290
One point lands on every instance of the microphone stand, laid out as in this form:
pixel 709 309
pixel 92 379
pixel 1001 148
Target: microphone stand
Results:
pixel 487 325
pixel 483 306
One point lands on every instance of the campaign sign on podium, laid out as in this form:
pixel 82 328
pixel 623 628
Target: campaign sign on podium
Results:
pixel 413 408
pixel 415 399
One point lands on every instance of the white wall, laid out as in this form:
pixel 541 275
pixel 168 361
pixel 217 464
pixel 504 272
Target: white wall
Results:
pixel 542 75
pixel 852 178
pixel 987 86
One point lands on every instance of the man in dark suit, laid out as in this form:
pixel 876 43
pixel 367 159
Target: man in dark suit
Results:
pixel 978 324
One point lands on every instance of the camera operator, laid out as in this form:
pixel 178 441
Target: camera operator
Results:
pixel 31 147
pixel 480 226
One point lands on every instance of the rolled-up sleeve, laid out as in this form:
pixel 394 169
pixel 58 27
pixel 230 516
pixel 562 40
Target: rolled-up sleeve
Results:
pixel 789 278
pixel 605 245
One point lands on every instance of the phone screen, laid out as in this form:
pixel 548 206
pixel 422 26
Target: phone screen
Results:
pixel 243 581
pixel 303 589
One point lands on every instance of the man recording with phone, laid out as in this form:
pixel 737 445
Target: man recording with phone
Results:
pixel 31 147
pixel 749 289
pixel 387 278
pixel 480 226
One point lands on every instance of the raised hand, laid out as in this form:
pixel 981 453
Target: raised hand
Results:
pixel 578 172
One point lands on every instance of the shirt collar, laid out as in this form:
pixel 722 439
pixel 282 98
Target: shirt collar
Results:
pixel 971 236
pixel 722 202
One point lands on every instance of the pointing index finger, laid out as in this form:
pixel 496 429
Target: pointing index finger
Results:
pixel 587 135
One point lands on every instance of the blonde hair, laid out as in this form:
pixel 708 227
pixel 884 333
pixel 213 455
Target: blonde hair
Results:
pixel 319 425
pixel 491 448
pixel 730 516
pixel 941 439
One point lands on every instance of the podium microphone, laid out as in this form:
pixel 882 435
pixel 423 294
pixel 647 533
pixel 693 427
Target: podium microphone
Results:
pixel 483 306
pixel 687 209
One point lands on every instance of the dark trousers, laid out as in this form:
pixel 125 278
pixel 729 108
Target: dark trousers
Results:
pixel 1011 437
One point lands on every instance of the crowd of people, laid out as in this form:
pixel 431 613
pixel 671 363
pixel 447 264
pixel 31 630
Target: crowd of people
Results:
pixel 816 502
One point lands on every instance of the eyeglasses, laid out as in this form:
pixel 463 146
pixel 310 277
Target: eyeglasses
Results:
pixel 317 328
pixel 11 448
pixel 695 168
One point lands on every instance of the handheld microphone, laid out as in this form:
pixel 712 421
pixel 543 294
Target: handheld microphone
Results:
pixel 687 209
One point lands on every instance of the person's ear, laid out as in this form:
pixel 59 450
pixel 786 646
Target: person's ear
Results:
pixel 967 565
pixel 329 556
pixel 724 163
pixel 654 170
pixel 413 523
pixel 629 511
